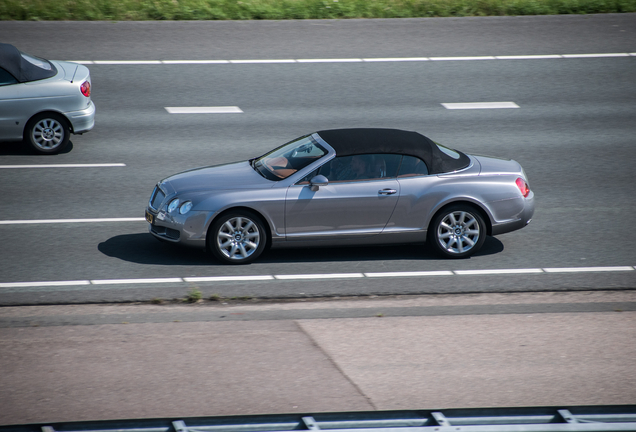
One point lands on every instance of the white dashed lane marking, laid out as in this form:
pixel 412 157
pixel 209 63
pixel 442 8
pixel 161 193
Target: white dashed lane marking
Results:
pixel 12 286
pixel 59 221
pixel 205 110
pixel 355 60
pixel 479 105
pixel 104 165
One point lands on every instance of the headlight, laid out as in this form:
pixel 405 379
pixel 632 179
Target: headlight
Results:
pixel 173 205
pixel 185 207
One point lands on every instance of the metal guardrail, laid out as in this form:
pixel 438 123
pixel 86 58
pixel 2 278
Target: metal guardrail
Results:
pixel 535 419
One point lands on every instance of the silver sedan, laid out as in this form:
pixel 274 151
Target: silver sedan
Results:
pixel 42 101
pixel 344 187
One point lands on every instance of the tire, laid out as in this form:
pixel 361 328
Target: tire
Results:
pixel 237 237
pixel 47 133
pixel 457 231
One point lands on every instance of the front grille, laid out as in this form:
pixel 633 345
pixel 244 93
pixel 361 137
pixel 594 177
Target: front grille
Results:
pixel 157 198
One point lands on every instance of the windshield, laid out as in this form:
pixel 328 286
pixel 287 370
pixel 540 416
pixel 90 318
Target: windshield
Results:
pixel 288 159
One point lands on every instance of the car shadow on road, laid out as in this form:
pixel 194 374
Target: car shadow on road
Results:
pixel 19 148
pixel 144 249
pixel 405 252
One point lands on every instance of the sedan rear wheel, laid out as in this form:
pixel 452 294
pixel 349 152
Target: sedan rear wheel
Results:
pixel 47 133
pixel 457 232
pixel 237 237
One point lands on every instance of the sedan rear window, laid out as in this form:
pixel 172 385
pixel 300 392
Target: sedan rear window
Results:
pixel 288 159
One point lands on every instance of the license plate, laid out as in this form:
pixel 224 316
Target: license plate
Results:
pixel 149 217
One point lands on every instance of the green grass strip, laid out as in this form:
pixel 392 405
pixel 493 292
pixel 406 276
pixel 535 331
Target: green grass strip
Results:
pixel 125 10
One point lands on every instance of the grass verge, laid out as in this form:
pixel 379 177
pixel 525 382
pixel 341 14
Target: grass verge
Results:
pixel 129 10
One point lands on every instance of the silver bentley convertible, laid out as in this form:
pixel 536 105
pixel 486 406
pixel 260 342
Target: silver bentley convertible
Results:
pixel 43 101
pixel 344 187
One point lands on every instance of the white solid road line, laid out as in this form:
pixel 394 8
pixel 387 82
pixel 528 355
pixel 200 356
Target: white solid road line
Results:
pixel 128 62
pixel 479 105
pixel 43 284
pixel 462 58
pixel 52 221
pixel 205 110
pixel 320 276
pixel 342 60
pixel 396 59
pixel 262 61
pixel 596 55
pixel 104 165
pixel 498 271
pixel 196 61
pixel 228 278
pixel 290 277
pixel 410 274
pixel 135 281
pixel 355 60
pixel 587 269
pixel 529 57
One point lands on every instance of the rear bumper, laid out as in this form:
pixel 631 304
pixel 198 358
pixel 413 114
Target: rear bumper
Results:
pixel 83 120
pixel 523 218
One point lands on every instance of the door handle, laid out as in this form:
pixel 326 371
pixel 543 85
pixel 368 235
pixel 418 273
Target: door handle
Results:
pixel 387 191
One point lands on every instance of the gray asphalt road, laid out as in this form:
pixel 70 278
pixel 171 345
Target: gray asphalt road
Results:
pixel 573 133
pixel 523 35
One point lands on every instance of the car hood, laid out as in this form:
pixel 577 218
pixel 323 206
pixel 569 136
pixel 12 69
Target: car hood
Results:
pixel 238 175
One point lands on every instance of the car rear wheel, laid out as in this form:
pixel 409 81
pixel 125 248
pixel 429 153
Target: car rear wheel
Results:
pixel 47 133
pixel 237 237
pixel 457 232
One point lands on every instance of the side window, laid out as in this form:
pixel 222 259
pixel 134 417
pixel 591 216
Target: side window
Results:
pixel 358 167
pixel 6 78
pixel 412 166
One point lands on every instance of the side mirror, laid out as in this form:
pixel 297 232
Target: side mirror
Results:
pixel 317 181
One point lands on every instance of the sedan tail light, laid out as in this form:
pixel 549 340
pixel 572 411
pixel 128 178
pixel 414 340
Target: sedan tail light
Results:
pixel 523 187
pixel 86 88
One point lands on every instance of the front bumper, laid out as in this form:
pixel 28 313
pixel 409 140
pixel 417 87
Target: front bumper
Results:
pixel 82 120
pixel 189 229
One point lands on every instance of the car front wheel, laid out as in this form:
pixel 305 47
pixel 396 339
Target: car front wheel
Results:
pixel 457 232
pixel 47 133
pixel 237 237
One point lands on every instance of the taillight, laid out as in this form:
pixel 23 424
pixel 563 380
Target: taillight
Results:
pixel 523 187
pixel 86 88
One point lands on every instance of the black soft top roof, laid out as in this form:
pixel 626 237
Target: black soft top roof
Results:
pixel 349 142
pixel 12 61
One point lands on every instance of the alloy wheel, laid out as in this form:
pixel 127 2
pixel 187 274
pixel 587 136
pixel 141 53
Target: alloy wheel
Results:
pixel 458 232
pixel 238 238
pixel 48 134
